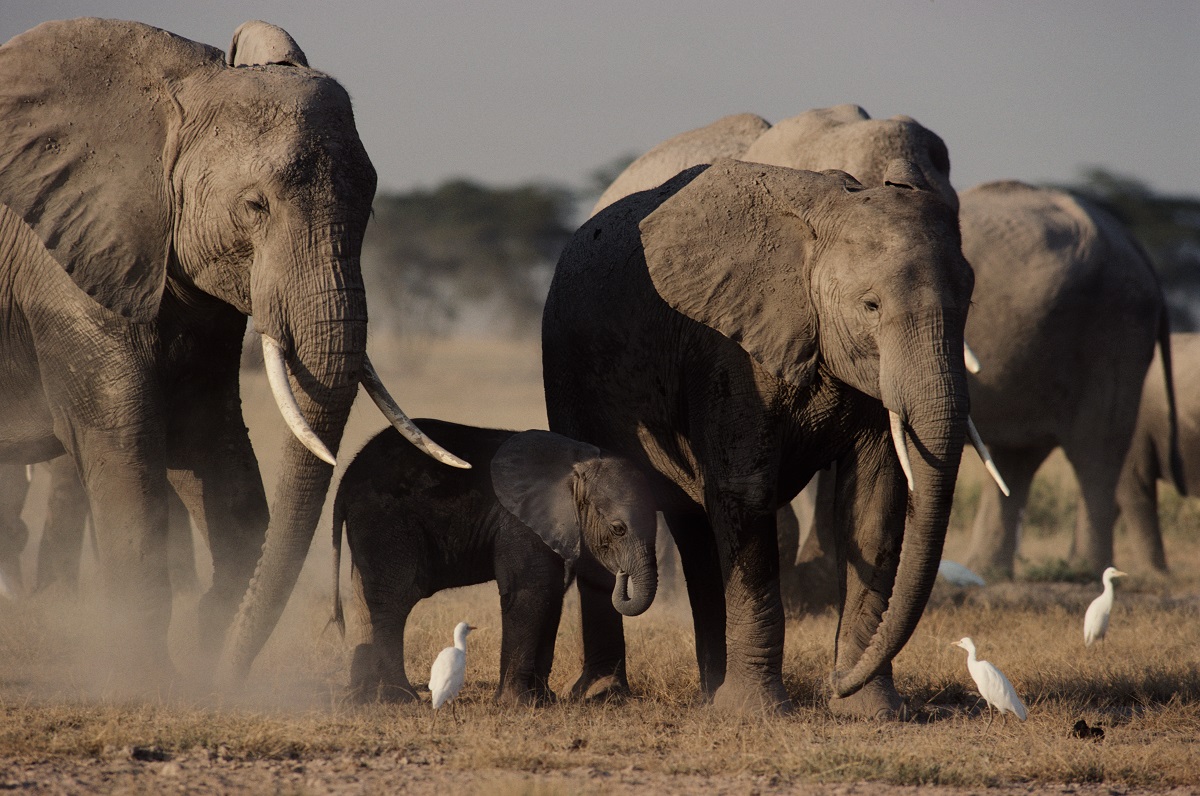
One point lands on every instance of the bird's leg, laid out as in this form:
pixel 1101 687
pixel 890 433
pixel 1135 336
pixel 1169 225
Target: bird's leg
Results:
pixel 454 711
pixel 990 717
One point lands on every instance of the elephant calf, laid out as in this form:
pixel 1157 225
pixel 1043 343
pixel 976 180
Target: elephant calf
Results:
pixel 522 516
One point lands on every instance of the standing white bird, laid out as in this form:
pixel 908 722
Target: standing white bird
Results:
pixel 1095 621
pixel 993 686
pixel 449 670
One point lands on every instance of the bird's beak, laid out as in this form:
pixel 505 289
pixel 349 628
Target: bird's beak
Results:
pixel 1119 574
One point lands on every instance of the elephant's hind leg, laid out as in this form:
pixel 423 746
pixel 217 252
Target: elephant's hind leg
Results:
pixel 995 533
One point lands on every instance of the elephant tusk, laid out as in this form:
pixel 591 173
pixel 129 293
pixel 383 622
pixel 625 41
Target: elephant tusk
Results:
pixel 970 358
pixel 281 388
pixel 901 448
pixel 28 473
pixel 395 415
pixel 982 450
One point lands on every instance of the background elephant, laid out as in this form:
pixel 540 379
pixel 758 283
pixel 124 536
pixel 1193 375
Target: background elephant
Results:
pixel 1149 459
pixel 843 137
pixel 63 531
pixel 233 192
pixel 533 501
pixel 1066 316
pixel 258 43
pixel 732 332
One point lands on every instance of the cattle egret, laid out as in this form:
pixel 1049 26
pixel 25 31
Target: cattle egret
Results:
pixel 993 686
pixel 1095 621
pixel 957 574
pixel 448 671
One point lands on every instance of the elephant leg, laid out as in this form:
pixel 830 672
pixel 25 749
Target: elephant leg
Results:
pixel 63 532
pixel 816 569
pixel 1098 472
pixel 13 533
pixel 603 634
pixel 995 533
pixel 215 473
pixel 181 553
pixel 529 617
pixel 702 575
pixel 391 680
pixel 753 616
pixel 1137 502
pixel 867 538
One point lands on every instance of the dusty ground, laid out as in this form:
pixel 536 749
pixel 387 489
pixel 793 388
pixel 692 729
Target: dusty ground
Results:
pixel 62 731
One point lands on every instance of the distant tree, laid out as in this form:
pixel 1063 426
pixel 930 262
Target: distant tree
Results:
pixel 1168 227
pixel 434 256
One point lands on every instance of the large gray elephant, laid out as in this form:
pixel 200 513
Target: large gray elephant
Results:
pixel 1066 317
pixel 1150 451
pixel 536 507
pixel 732 332
pixel 159 197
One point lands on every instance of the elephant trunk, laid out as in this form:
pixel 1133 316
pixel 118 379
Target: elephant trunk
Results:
pixel 929 395
pixel 324 349
pixel 634 591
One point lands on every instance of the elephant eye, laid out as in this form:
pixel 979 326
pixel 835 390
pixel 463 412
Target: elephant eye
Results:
pixel 618 528
pixel 871 305
pixel 257 206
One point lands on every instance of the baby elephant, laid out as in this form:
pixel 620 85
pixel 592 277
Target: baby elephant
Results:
pixel 532 505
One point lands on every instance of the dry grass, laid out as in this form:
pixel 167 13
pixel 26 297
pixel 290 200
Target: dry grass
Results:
pixel 1142 685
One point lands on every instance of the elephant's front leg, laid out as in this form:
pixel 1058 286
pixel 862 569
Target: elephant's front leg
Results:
pixel 753 614
pixel 869 514
pixel 215 473
pixel 603 633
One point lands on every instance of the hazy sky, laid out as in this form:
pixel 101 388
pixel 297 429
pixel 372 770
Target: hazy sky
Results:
pixel 506 92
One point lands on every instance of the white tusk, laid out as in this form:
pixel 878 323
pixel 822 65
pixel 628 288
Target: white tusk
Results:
pixel 28 473
pixel 970 358
pixel 281 388
pixel 901 448
pixel 395 415
pixel 982 450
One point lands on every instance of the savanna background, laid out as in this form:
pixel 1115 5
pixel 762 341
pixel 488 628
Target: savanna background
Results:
pixel 456 275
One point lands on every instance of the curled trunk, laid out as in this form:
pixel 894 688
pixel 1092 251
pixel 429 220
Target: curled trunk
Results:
pixel 634 592
pixel 932 395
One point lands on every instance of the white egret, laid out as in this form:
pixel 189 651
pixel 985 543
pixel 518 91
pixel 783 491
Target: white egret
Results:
pixel 1095 621
pixel 993 686
pixel 448 671
pixel 955 573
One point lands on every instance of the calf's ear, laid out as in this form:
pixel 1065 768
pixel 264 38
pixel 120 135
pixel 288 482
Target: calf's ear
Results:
pixel 534 477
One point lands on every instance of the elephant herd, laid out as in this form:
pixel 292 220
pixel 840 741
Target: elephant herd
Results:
pixel 750 306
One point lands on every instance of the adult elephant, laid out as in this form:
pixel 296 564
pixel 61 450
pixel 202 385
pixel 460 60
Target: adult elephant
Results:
pixel 1066 317
pixel 159 197
pixel 1149 460
pixel 732 332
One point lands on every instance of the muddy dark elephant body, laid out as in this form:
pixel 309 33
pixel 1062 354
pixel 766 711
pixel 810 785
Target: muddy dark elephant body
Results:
pixel 1066 317
pixel 1149 460
pixel 157 197
pixel 733 332
pixel 535 506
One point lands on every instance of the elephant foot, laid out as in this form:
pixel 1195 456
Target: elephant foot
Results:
pixel 369 682
pixel 752 698
pixel 877 700
pixel 603 688
pixel 516 695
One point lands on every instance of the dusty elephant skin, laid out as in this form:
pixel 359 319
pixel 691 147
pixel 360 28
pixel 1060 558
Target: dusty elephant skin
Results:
pixel 1066 317
pixel 535 504
pixel 1149 459
pixel 159 197
pixel 734 331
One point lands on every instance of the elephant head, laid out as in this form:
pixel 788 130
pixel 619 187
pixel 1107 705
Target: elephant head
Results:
pixel 843 137
pixel 570 493
pixel 149 167
pixel 819 278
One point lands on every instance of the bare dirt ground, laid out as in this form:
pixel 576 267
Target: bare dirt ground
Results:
pixel 64 731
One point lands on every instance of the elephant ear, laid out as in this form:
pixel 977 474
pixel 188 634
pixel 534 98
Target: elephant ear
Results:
pixel 258 43
pixel 730 250
pixel 90 136
pixel 534 477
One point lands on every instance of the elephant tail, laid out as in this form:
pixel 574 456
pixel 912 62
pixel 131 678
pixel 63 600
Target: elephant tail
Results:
pixel 339 522
pixel 1174 458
